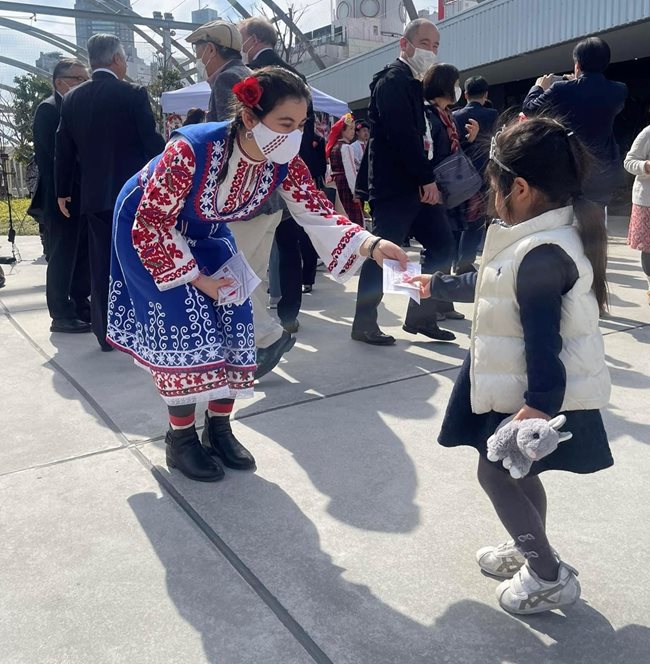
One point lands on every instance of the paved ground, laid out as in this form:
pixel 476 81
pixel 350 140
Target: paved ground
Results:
pixel 354 541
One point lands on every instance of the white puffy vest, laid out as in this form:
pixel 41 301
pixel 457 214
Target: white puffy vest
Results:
pixel 498 362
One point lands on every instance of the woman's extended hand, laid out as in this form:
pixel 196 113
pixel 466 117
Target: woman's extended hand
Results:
pixel 385 249
pixel 528 413
pixel 210 286
pixel 424 282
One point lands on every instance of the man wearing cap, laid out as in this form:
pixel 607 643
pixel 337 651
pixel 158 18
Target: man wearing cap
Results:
pixel 217 46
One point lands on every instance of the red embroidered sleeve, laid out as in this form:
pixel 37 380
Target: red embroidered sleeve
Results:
pixel 160 246
pixel 336 239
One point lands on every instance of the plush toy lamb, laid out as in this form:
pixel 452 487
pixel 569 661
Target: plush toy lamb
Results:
pixel 520 443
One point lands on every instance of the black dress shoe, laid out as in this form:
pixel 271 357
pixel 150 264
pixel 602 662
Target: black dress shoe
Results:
pixel 373 337
pixel 185 453
pixel 291 327
pixel 268 358
pixel 307 288
pixel 431 330
pixel 454 315
pixel 219 441
pixel 69 326
pixel 105 347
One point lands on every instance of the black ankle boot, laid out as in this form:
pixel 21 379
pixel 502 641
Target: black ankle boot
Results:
pixel 184 452
pixel 219 440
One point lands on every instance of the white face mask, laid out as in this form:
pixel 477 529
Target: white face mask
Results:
pixel 201 68
pixel 276 147
pixel 422 59
pixel 458 93
pixel 244 53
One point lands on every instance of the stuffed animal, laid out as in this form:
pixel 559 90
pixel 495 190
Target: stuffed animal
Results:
pixel 520 443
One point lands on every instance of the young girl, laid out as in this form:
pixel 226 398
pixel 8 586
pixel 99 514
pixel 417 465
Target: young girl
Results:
pixel 536 349
pixel 170 234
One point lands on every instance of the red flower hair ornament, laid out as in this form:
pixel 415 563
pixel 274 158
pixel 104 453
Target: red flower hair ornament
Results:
pixel 249 92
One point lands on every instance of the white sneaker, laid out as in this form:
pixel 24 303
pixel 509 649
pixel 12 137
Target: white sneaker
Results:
pixel 526 593
pixel 502 561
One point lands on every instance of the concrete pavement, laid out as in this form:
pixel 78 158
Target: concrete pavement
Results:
pixel 354 541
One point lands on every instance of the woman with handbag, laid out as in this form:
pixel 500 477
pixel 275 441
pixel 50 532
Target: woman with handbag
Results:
pixel 442 90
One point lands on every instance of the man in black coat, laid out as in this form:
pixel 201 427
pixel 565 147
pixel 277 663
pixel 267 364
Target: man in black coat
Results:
pixel 67 282
pixel 401 184
pixel 107 128
pixel 476 93
pixel 258 38
pixel 588 103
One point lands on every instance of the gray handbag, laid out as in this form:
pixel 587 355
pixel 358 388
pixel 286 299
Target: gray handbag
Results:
pixel 457 179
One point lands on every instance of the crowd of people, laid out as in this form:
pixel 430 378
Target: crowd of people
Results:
pixel 139 230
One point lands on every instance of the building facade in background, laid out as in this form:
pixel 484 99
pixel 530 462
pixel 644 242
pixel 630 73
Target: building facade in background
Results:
pixel 48 61
pixel 85 28
pixel 204 15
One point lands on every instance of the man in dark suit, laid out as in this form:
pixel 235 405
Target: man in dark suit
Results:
pixel 67 282
pixel 476 93
pixel 469 238
pixel 258 37
pixel 588 103
pixel 403 194
pixel 107 128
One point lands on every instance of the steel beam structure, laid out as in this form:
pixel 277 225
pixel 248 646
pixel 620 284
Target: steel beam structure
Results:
pixel 41 73
pixel 48 10
pixel 63 44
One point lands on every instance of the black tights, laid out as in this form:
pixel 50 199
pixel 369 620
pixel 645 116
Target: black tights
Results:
pixel 188 409
pixel 645 263
pixel 521 507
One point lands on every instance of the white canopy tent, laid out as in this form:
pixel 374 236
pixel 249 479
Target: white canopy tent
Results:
pixel 198 95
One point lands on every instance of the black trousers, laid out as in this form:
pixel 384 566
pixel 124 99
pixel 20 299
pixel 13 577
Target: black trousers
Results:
pixel 309 258
pixel 100 225
pixel 395 219
pixel 68 270
pixel 287 237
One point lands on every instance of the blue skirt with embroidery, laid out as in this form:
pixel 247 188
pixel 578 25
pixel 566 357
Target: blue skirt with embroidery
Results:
pixel 194 349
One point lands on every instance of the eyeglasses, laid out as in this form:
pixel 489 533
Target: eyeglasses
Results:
pixel 79 79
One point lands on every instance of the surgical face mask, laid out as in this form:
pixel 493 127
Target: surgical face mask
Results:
pixel 275 146
pixel 244 53
pixel 422 59
pixel 458 93
pixel 201 67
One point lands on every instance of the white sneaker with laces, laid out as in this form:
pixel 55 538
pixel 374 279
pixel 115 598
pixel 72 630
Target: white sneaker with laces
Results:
pixel 526 593
pixel 502 561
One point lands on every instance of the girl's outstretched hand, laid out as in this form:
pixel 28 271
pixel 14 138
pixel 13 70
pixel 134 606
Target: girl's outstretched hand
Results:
pixel 528 413
pixel 424 282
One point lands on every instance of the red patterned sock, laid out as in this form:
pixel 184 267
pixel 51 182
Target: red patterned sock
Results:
pixel 220 407
pixel 181 421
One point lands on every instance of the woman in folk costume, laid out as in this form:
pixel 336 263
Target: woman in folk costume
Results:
pixel 171 233
pixel 336 150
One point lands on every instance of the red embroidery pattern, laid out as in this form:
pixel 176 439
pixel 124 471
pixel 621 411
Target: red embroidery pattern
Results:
pixel 158 244
pixel 340 248
pixel 174 385
pixel 300 184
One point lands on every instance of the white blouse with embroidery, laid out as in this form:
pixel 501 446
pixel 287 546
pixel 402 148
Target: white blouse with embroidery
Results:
pixel 164 250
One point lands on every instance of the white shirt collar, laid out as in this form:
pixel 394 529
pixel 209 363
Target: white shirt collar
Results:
pixel 406 62
pixel 110 71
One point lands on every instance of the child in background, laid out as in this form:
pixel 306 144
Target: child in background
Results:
pixel 536 349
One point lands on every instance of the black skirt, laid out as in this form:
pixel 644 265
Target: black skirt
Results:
pixel 587 452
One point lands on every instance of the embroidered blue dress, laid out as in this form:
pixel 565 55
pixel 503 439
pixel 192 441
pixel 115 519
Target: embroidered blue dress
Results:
pixel 170 224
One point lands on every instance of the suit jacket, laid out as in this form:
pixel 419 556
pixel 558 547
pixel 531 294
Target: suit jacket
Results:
pixel 589 106
pixel 269 58
pixel 221 96
pixel 479 150
pixel 108 128
pixel 397 162
pixel 46 120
